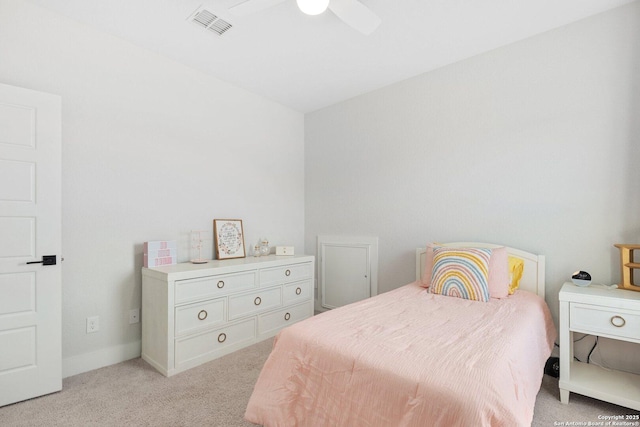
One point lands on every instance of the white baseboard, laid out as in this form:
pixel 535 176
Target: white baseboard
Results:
pixel 75 365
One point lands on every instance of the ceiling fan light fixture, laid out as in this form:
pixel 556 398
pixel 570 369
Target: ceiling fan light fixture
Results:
pixel 313 7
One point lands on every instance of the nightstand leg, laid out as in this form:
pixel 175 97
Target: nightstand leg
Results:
pixel 566 351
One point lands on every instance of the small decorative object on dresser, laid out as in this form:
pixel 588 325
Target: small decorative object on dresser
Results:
pixel 194 313
pixel 284 250
pixel 627 265
pixel 608 313
pixel 264 247
pixel 228 238
pixel 160 252
pixel 197 237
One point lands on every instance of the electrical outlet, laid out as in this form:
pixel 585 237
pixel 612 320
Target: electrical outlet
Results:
pixel 134 316
pixel 93 324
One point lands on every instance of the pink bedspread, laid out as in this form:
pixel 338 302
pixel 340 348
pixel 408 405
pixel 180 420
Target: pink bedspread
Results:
pixel 408 358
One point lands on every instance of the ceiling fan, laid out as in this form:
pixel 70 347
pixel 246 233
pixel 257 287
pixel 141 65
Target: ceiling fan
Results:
pixel 352 12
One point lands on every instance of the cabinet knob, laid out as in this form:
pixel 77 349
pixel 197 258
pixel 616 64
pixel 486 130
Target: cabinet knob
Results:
pixel 618 321
pixel 220 284
pixel 287 316
pixel 222 337
pixel 202 314
pixel 298 291
pixel 257 301
pixel 287 273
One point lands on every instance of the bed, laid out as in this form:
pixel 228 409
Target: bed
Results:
pixel 410 357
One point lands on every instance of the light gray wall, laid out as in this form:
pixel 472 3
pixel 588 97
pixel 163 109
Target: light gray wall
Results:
pixel 151 150
pixel 545 131
pixel 534 145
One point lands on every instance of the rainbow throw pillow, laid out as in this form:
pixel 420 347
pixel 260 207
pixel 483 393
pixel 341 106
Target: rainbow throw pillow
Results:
pixel 461 273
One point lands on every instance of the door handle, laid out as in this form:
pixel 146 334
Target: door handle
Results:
pixel 46 260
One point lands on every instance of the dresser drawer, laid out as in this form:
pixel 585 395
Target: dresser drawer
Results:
pixel 285 274
pixel 212 286
pixel 255 302
pixel 192 317
pixel 270 322
pixel 206 344
pixel 605 321
pixel 297 292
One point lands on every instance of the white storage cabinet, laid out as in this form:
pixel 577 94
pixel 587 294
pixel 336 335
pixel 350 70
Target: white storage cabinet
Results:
pixel 194 313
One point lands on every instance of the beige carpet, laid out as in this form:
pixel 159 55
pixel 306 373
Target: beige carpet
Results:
pixel 132 393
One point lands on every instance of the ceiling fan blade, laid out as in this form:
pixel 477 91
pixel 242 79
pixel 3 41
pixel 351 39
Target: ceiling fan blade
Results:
pixel 252 6
pixel 356 15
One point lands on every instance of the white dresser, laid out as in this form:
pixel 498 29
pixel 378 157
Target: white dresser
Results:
pixel 613 314
pixel 194 313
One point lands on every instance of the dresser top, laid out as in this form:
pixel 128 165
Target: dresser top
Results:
pixel 212 267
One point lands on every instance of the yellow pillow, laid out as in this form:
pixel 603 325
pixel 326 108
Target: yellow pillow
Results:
pixel 516 268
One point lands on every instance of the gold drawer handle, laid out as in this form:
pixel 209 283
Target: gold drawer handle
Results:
pixel 618 321
pixel 220 284
pixel 257 301
pixel 298 291
pixel 287 273
pixel 222 337
pixel 287 316
pixel 202 314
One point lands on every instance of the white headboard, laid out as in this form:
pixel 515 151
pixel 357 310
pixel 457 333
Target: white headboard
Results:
pixel 532 277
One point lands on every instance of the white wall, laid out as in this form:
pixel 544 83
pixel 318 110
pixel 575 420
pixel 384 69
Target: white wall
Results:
pixel 151 149
pixel 535 145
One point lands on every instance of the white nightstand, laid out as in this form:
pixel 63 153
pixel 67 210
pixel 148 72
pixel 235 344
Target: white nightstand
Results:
pixel 613 314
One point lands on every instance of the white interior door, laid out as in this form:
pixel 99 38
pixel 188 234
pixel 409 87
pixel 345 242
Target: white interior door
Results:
pixel 30 228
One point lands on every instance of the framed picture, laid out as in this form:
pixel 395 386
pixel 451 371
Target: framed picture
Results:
pixel 228 238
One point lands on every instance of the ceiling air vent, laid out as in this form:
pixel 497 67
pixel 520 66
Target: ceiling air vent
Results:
pixel 211 22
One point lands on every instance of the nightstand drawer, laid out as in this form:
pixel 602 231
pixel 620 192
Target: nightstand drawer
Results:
pixel 192 317
pixel 256 302
pixel 285 274
pixel 212 286
pixel 605 321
